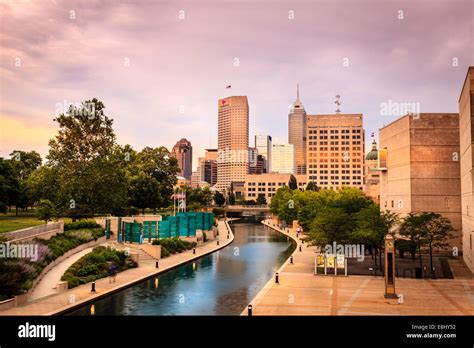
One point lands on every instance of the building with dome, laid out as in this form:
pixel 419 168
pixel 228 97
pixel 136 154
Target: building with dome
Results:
pixel 372 174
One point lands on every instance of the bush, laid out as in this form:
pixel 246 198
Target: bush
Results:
pixel 78 225
pixel 17 275
pixel 174 245
pixel 96 265
pixel 164 252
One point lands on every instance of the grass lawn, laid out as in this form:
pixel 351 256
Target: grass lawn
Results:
pixel 10 222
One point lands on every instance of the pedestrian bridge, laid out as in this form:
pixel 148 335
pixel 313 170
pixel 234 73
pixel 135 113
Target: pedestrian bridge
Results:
pixel 247 210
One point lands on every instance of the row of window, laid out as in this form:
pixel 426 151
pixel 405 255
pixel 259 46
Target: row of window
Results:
pixel 334 131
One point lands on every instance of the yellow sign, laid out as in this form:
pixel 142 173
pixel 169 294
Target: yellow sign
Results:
pixel 330 261
pixel 320 261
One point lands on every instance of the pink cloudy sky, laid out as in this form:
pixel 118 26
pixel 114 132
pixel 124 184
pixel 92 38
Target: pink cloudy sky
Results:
pixel 180 67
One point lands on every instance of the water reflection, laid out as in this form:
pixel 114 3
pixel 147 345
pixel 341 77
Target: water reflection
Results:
pixel 222 283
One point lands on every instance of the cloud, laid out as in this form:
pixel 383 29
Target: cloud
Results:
pixel 176 64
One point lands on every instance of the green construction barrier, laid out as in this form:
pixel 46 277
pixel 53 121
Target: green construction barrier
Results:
pixel 164 229
pixel 154 229
pixel 136 232
pixel 128 232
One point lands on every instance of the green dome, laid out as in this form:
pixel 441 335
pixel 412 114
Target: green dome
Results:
pixel 373 155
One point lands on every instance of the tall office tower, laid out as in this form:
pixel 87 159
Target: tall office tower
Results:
pixel 183 152
pixel 263 143
pixel 466 123
pixel 335 150
pixel 283 158
pixel 297 133
pixel 233 141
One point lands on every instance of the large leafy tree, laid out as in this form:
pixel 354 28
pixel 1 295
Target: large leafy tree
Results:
pixel 24 163
pixel 9 185
pixel 372 226
pixel 414 228
pixel 151 174
pixel 438 230
pixel 87 159
pixel 330 225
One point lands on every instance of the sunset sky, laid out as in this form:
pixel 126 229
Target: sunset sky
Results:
pixel 179 67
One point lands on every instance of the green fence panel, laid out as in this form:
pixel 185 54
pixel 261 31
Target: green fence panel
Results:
pixel 192 223
pixel 136 232
pixel 183 226
pixel 164 229
pixel 153 229
pixel 128 231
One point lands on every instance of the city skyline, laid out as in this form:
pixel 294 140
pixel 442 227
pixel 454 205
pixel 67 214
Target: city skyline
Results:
pixel 157 93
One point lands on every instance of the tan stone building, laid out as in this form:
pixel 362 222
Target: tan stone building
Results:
pixel 335 150
pixel 297 133
pixel 372 174
pixel 419 158
pixel 233 141
pixel 466 120
pixel 268 184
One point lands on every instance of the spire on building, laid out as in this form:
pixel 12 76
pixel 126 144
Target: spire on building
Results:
pixel 297 104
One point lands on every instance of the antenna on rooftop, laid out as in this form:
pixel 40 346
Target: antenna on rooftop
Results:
pixel 338 103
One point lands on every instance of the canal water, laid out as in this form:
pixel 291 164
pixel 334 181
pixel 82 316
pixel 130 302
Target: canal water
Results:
pixel 222 283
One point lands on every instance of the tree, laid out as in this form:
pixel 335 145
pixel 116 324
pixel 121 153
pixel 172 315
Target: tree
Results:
pixel 414 227
pixel 219 199
pixel 371 228
pixel 9 185
pixel 144 192
pixel 87 159
pixel 438 230
pixel 45 210
pixel 261 200
pixel 330 225
pixel 231 198
pixel 292 183
pixel 312 186
pixel 24 163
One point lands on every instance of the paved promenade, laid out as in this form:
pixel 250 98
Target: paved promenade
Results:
pixel 58 303
pixel 300 292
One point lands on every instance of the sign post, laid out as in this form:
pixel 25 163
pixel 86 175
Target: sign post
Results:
pixel 390 267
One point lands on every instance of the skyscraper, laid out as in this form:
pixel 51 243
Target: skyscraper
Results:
pixel 283 158
pixel 183 152
pixel 297 133
pixel 263 143
pixel 233 141
pixel 335 150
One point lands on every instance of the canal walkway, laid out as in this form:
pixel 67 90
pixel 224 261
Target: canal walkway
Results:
pixel 300 292
pixel 67 300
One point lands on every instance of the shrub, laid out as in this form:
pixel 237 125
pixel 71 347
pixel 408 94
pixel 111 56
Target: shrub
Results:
pixel 90 224
pixel 95 265
pixel 164 252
